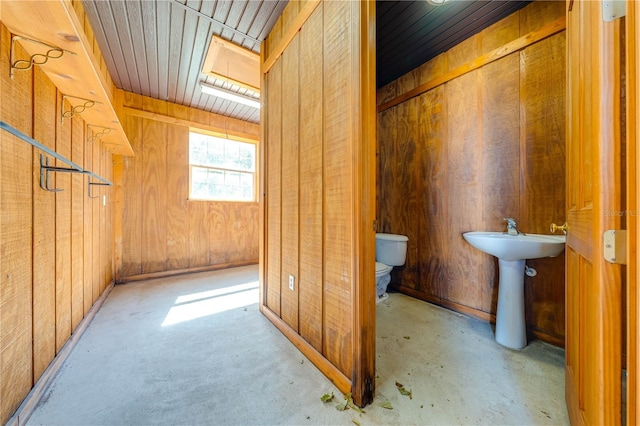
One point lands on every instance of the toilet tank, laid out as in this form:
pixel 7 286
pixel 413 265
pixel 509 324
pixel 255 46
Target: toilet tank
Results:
pixel 391 249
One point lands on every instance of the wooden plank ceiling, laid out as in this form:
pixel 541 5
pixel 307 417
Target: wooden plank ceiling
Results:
pixel 157 48
pixel 410 33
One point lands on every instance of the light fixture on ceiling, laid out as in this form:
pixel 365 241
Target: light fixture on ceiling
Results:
pixel 437 2
pixel 230 96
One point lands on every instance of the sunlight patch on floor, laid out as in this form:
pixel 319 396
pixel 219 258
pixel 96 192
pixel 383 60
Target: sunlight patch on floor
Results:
pixel 203 304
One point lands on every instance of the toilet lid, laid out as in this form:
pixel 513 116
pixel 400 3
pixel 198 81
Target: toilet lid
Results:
pixel 381 267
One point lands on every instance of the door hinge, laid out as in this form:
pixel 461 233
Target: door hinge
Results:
pixel 613 9
pixel 615 246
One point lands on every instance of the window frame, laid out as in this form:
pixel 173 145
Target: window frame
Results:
pixel 254 198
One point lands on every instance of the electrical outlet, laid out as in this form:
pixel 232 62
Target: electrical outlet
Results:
pixel 292 281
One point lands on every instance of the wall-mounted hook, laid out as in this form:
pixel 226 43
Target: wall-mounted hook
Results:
pixel 44 174
pixel 45 168
pixel 91 184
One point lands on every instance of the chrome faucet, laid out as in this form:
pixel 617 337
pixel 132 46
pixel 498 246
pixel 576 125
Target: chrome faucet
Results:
pixel 511 226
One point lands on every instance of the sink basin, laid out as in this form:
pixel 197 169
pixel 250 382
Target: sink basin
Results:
pixel 516 247
pixel 512 252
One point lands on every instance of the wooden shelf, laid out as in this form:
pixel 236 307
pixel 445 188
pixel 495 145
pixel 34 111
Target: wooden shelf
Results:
pixel 56 23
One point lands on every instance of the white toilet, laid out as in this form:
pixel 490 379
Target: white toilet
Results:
pixel 391 250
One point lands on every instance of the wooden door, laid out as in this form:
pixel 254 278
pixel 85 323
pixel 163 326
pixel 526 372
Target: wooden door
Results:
pixel 594 205
pixel 633 190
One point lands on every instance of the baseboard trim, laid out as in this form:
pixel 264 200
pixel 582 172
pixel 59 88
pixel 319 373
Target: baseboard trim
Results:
pixel 329 370
pixel 547 338
pixel 29 404
pixel 476 313
pixel 472 312
pixel 164 274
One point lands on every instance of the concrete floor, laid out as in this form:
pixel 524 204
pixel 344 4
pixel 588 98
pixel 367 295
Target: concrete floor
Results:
pixel 194 350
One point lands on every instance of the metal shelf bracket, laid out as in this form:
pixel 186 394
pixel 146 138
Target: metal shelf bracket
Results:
pixel 97 134
pixel 78 109
pixel 53 52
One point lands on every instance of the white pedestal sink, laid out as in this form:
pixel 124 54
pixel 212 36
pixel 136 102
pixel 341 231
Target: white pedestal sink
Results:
pixel 512 251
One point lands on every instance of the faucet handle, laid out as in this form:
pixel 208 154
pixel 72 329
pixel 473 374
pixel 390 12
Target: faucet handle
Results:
pixel 510 221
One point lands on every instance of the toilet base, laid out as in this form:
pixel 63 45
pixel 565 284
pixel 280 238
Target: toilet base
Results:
pixel 382 298
pixel 382 283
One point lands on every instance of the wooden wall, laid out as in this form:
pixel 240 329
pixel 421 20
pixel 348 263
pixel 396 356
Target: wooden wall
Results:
pixel 55 248
pixel 480 146
pixel 318 174
pixel 159 231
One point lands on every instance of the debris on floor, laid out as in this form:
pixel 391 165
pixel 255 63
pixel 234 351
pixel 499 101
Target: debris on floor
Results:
pixel 403 391
pixel 386 405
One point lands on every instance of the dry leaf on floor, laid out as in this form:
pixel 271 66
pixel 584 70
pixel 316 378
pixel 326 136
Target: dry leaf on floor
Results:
pixel 407 337
pixel 342 406
pixel 327 397
pixel 387 405
pixel 355 422
pixel 403 391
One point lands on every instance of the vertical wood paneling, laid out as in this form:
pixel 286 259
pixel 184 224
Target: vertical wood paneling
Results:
pixel 63 233
pixel 77 227
pixel 310 281
pixel 542 85
pixel 538 14
pixel 154 223
pixel 387 142
pixel 543 200
pixel 406 192
pixel 102 202
pixel 274 185
pixel 463 52
pixel 16 351
pixel 45 267
pixel 177 205
pixel 491 145
pixel 44 263
pixel 318 178
pixel 94 149
pixel 109 212
pixel 429 70
pixel 464 183
pixel 290 174
pixel 199 233
pixel 338 184
pixel 501 33
pixel 219 226
pixel 432 216
pixel 132 203
pixel 500 159
pixel 87 222
pixel 162 230
pixel 243 228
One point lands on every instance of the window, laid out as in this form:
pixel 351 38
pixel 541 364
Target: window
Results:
pixel 221 169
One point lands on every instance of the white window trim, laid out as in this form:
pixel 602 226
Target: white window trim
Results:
pixel 255 198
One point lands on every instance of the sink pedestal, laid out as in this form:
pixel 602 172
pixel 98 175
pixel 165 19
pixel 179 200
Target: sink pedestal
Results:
pixel 510 323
